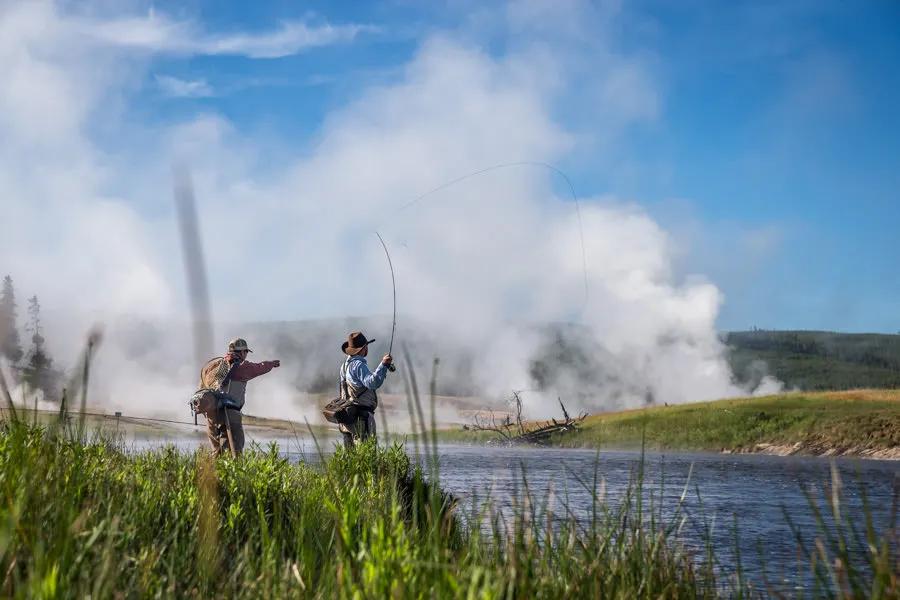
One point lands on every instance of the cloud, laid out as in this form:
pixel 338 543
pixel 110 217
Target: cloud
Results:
pixel 160 34
pixel 630 93
pixel 182 88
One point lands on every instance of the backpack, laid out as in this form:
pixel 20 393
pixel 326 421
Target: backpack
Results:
pixel 208 399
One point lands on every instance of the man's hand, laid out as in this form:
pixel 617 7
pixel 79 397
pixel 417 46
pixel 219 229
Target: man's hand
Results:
pixel 276 363
pixel 388 360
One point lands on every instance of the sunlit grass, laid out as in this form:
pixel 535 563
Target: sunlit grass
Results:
pixel 839 420
pixel 854 421
pixel 81 518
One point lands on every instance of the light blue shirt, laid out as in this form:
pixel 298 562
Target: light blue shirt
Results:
pixel 359 375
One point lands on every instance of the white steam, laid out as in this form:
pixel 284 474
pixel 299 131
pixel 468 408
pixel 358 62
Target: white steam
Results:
pixel 489 271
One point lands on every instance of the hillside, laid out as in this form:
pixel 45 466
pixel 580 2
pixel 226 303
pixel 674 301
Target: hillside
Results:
pixel 816 360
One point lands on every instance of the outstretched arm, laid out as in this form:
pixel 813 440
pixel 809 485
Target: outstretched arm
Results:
pixel 248 370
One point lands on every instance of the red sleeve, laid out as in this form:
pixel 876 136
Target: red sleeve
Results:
pixel 248 370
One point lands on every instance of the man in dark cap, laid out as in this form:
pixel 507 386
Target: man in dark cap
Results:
pixel 358 384
pixel 229 376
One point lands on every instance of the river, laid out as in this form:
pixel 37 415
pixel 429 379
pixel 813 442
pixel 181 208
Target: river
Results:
pixel 741 500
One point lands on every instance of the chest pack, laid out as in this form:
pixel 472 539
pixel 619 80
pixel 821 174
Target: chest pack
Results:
pixel 345 409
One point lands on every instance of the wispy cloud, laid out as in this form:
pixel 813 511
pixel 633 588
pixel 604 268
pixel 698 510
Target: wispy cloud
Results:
pixel 183 88
pixel 158 33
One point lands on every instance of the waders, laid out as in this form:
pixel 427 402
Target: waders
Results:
pixel 228 433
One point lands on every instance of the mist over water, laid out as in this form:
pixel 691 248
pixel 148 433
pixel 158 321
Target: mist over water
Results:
pixel 489 272
pixel 146 367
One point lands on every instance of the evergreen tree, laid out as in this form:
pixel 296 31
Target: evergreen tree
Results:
pixel 10 346
pixel 38 373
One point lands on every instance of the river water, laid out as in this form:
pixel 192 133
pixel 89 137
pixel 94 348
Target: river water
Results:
pixel 741 503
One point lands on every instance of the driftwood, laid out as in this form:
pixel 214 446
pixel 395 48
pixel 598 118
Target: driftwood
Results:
pixel 520 432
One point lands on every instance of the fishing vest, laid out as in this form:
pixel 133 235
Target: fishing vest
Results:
pixel 237 390
pixel 361 396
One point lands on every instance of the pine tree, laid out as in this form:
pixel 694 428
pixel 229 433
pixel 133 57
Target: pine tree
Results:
pixel 38 373
pixel 10 346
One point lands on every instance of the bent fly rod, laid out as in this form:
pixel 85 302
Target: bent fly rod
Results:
pixel 524 163
pixel 391 367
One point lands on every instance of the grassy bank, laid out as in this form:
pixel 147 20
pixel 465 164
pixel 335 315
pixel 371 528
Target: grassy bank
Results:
pixel 85 518
pixel 81 518
pixel 857 422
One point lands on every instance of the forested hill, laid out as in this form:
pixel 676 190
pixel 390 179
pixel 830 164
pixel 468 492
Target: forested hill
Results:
pixel 816 360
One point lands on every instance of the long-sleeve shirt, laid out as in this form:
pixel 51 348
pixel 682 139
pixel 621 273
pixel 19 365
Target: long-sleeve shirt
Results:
pixel 359 375
pixel 247 370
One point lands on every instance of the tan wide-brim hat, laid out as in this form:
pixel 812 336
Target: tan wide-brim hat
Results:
pixel 356 341
pixel 238 345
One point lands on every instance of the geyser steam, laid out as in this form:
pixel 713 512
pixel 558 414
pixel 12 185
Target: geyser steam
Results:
pixel 489 271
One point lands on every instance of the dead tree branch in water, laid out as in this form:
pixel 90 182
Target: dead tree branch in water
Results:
pixel 521 432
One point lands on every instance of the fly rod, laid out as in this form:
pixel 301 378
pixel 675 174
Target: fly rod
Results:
pixel 391 367
pixel 524 163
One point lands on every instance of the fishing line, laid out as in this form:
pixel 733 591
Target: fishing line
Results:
pixel 523 163
pixel 127 417
pixel 452 182
pixel 391 367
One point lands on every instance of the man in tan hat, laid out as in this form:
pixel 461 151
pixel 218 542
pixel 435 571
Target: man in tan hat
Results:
pixel 358 384
pixel 229 376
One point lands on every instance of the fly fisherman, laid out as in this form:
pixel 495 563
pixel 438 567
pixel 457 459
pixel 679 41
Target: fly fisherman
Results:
pixel 228 376
pixel 358 384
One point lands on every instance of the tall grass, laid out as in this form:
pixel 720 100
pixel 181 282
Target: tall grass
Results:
pixel 81 516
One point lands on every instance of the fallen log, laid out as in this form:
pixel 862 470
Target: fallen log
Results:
pixel 521 432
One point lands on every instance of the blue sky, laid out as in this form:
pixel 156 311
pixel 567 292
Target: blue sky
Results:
pixel 763 137
pixel 777 117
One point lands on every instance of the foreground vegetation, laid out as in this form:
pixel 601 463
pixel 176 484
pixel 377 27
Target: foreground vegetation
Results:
pixel 857 422
pixel 86 518
pixel 82 518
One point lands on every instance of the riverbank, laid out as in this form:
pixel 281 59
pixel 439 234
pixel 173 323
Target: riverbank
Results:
pixel 163 428
pixel 81 518
pixel 864 423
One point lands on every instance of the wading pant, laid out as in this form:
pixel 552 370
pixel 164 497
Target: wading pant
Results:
pixel 218 437
pixel 362 428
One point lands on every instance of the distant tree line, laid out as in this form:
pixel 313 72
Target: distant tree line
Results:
pixel 816 360
pixel 34 366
